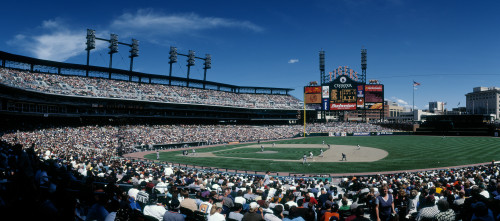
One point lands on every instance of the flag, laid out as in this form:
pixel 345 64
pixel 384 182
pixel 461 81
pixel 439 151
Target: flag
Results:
pixel 458 103
pixel 415 83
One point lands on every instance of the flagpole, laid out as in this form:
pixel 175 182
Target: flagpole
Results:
pixel 413 103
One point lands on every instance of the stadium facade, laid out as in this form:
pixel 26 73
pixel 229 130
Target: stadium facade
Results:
pixel 35 90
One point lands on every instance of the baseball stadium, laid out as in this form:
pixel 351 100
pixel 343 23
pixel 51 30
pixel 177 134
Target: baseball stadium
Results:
pixel 86 128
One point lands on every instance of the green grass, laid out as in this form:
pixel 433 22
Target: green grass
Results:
pixel 405 153
pixel 281 153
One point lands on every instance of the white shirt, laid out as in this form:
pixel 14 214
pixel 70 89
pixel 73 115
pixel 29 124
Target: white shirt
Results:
pixel 159 187
pixel 236 216
pixel 291 203
pixel 271 217
pixel 216 217
pixel 155 211
pixel 240 200
pixel 168 171
pixel 132 192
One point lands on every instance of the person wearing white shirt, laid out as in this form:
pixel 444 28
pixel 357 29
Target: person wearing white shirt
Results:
pixel 215 213
pixel 240 199
pixel 154 210
pixel 276 215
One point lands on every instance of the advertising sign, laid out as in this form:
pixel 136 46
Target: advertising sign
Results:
pixel 374 87
pixel 374 97
pixel 313 98
pixel 313 106
pixel 325 104
pixel 312 90
pixel 360 103
pixel 326 92
pixel 374 93
pixel 375 106
pixel 361 134
pixel 361 91
pixel 342 106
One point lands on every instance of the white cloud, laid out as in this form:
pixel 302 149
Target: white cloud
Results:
pixel 58 46
pixel 293 61
pixel 153 23
pixel 55 41
pixel 401 101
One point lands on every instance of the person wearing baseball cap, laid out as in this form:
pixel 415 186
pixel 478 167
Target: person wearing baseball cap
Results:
pixel 254 213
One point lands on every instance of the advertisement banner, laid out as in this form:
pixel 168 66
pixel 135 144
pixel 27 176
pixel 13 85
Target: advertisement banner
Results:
pixel 385 133
pixel 360 102
pixel 361 91
pixel 313 106
pixel 342 106
pixel 374 87
pixel 313 98
pixel 375 106
pixel 326 92
pixel 312 90
pixel 361 134
pixel 325 104
pixel 374 96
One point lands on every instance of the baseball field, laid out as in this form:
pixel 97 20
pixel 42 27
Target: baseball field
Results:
pixel 375 154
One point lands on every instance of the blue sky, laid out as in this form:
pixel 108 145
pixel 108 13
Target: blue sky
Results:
pixel 447 46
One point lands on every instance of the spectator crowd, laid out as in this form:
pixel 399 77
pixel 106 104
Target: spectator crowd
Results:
pixel 107 139
pixel 92 186
pixel 106 88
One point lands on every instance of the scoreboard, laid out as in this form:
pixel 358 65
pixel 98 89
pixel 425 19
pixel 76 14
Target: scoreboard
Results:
pixel 344 93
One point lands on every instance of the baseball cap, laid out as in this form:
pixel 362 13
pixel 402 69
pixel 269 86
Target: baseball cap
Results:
pixel 254 205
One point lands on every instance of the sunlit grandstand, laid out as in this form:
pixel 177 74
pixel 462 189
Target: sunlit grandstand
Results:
pixel 120 89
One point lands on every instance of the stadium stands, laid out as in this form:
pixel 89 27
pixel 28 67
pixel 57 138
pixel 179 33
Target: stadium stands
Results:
pixel 106 88
pixel 109 137
pixel 64 184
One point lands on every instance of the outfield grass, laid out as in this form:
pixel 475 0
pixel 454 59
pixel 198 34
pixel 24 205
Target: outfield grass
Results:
pixel 405 153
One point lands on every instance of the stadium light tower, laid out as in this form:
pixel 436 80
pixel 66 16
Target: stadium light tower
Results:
pixel 90 45
pixel 173 59
pixel 189 64
pixel 208 65
pixel 113 48
pixel 134 52
pixel 363 65
pixel 323 78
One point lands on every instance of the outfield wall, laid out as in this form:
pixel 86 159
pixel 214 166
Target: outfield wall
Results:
pixel 344 134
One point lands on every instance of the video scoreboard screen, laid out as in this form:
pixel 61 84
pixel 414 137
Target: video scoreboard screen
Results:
pixel 312 95
pixel 345 94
